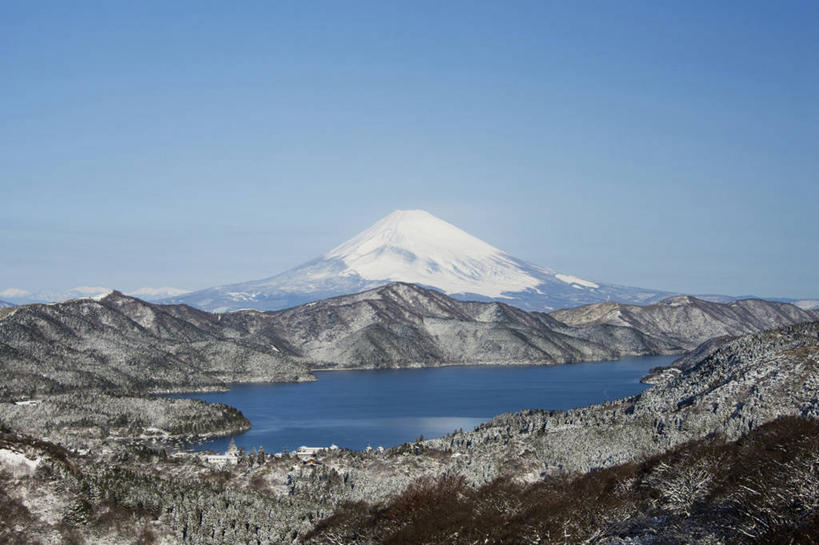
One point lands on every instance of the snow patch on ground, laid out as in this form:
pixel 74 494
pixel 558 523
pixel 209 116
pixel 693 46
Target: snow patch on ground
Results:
pixel 17 463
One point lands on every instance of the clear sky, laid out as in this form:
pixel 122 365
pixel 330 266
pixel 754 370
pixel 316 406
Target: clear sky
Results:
pixel 670 145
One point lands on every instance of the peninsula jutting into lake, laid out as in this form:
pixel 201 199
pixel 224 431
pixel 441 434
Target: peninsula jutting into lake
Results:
pixel 87 427
pixel 393 273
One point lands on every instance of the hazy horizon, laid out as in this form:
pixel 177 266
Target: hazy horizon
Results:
pixel 672 147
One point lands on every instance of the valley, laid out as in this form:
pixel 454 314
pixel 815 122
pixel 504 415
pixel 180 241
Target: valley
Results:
pixel 730 401
pixel 89 454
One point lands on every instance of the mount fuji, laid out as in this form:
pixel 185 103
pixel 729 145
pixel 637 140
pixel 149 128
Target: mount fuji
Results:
pixel 416 247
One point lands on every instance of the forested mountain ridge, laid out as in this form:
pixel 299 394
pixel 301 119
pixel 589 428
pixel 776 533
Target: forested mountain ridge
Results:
pixel 405 324
pixel 525 471
pixel 122 344
pixel 689 321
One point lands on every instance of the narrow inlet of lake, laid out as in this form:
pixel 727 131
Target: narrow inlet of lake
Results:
pixel 356 409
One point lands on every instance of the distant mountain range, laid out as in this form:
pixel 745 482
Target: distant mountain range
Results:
pixel 5 304
pixel 23 297
pixel 807 304
pixel 416 247
pixel 122 344
pixel 410 246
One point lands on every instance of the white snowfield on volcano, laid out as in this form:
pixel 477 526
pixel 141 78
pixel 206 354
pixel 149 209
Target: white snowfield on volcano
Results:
pixel 416 247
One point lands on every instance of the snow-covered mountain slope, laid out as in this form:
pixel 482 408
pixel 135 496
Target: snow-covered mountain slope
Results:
pixel 5 304
pixel 807 304
pixel 414 246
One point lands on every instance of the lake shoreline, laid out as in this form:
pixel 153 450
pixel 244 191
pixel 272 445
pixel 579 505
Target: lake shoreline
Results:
pixel 369 408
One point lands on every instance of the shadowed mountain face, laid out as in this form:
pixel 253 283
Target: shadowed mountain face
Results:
pixel 123 343
pixel 5 304
pixel 414 246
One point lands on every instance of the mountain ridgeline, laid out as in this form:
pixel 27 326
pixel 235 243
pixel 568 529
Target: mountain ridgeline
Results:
pixel 688 321
pixel 123 344
pixel 416 247
pixel 722 452
pixel 404 324
pixel 706 455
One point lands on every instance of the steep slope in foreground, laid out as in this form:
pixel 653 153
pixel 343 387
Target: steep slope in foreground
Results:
pixel 739 386
pixel 762 489
pixel 416 247
pixel 123 344
pixel 748 382
pixel 756 491
pixel 404 324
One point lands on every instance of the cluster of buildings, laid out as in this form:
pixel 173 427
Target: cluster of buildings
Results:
pixel 308 455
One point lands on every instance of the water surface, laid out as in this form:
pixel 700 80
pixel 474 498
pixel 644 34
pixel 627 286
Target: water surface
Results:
pixel 356 409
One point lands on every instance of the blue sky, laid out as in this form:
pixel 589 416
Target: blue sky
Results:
pixel 670 145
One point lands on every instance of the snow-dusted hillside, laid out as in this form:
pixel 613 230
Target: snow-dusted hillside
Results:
pixel 415 246
pixel 807 304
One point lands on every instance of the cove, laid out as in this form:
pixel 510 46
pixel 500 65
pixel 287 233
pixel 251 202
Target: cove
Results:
pixel 356 409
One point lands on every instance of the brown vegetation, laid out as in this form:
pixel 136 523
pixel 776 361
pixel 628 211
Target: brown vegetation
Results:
pixel 763 488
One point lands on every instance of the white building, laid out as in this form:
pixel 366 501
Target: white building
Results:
pixel 310 452
pixel 230 457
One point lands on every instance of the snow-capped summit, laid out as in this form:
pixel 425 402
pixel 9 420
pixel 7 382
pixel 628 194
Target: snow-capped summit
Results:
pixel 416 247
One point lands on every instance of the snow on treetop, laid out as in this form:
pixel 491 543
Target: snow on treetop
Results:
pixel 415 246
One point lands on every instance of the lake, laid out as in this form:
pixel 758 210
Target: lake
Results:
pixel 356 409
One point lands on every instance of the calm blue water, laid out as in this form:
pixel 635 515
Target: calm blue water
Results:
pixel 354 409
